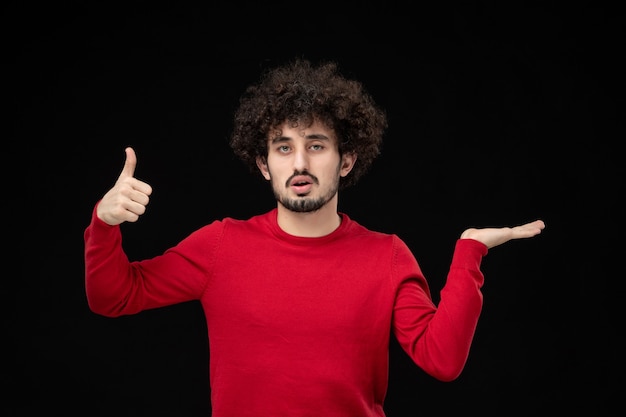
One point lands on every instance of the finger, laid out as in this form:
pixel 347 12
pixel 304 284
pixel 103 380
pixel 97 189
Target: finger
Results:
pixel 140 193
pixel 539 226
pixel 130 163
pixel 136 208
pixel 536 225
pixel 530 229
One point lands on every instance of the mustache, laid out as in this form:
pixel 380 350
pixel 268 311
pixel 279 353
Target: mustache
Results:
pixel 302 173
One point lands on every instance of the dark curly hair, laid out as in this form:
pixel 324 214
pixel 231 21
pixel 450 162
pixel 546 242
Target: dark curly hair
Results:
pixel 299 93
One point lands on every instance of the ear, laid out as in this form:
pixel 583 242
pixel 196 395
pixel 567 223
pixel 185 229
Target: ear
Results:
pixel 262 164
pixel 347 162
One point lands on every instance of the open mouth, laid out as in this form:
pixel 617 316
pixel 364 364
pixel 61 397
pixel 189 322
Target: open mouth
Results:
pixel 301 184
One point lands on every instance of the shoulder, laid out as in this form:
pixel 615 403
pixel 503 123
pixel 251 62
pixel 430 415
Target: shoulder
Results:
pixel 355 228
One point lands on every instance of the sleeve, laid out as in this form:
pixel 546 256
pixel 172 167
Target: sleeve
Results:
pixel 115 286
pixel 438 338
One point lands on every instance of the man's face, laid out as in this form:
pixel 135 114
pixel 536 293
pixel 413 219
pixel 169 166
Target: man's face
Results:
pixel 304 167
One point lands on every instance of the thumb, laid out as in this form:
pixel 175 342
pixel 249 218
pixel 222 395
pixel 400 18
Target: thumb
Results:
pixel 130 163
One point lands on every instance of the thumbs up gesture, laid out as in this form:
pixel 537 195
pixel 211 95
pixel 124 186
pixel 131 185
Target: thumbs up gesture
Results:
pixel 128 198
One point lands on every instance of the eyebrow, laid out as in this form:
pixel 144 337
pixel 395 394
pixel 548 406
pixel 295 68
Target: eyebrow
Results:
pixel 314 136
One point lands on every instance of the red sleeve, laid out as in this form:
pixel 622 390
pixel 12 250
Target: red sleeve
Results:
pixel 438 338
pixel 115 286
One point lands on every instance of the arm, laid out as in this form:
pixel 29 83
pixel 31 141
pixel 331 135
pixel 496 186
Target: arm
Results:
pixel 439 338
pixel 105 260
pixel 115 286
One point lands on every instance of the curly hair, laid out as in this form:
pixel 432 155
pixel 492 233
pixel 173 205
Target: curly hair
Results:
pixel 300 93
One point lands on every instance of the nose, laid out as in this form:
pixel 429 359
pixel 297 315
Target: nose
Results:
pixel 300 159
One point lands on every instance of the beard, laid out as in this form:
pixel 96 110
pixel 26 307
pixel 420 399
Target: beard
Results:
pixel 304 204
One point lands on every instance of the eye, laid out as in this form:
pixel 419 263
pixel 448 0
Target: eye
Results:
pixel 283 148
pixel 317 147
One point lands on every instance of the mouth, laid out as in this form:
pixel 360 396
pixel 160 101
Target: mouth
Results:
pixel 301 185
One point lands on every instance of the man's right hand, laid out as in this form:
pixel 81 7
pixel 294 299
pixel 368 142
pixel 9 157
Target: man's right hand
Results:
pixel 128 198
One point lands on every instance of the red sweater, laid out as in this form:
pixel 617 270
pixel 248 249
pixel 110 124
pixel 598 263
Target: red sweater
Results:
pixel 297 326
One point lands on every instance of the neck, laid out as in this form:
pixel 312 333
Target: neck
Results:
pixel 314 224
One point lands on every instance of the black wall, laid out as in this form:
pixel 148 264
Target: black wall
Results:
pixel 499 114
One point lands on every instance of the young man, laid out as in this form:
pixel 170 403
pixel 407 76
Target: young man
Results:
pixel 301 301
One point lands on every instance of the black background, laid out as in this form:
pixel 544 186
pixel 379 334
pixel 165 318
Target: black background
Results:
pixel 499 112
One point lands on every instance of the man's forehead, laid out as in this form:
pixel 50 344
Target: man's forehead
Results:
pixel 316 130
